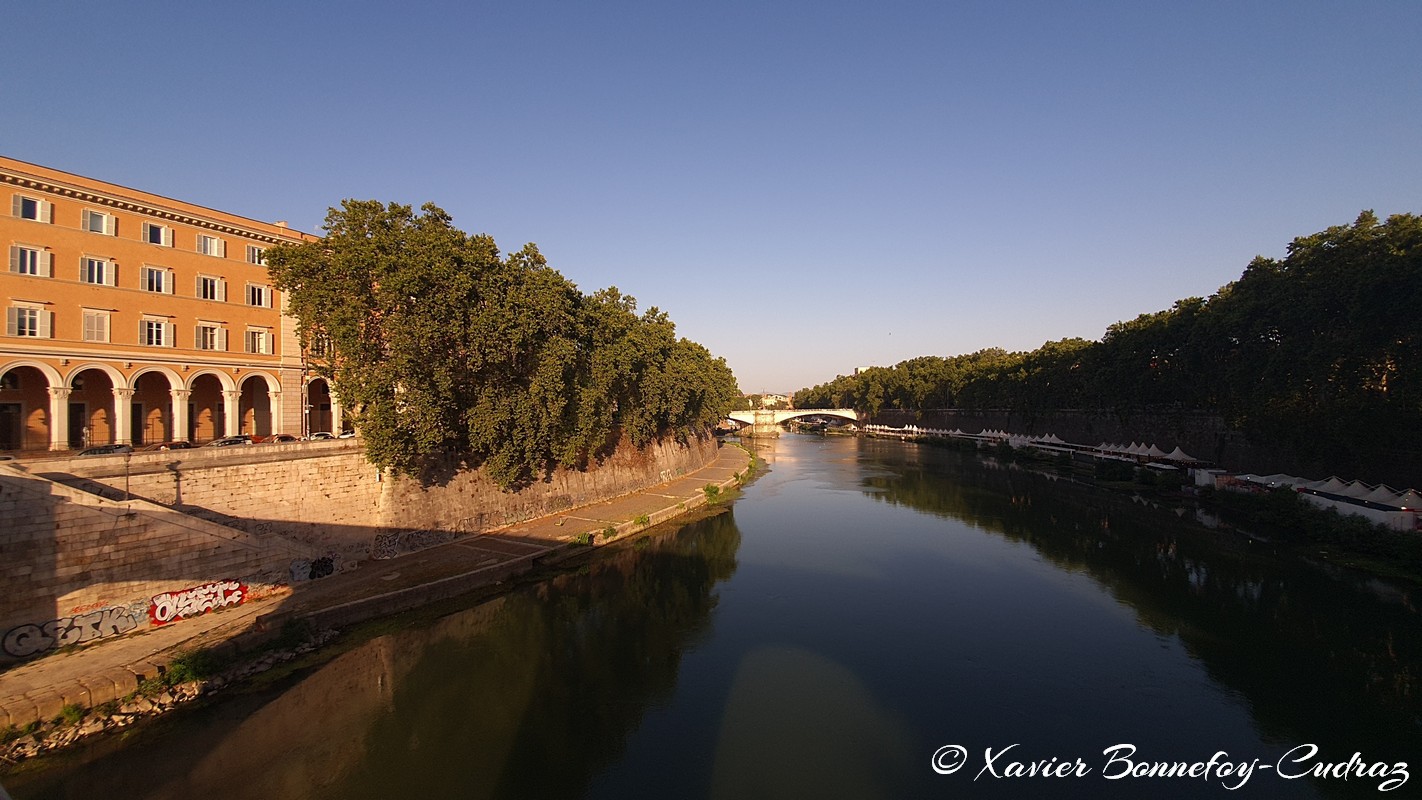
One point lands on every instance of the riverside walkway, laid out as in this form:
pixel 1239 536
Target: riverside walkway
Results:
pixel 111 669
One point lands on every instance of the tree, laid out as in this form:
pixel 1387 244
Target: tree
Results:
pixel 452 356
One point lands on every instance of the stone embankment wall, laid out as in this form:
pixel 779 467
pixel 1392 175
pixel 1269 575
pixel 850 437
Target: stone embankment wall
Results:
pixel 76 567
pixel 473 502
pixel 337 510
pixel 1205 436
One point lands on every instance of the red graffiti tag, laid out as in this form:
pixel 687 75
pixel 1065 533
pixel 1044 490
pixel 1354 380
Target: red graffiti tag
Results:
pixel 196 601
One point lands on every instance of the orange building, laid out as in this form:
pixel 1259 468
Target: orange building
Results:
pixel 132 318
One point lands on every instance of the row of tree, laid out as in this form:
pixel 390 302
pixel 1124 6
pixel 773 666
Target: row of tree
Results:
pixel 1320 352
pixel 453 355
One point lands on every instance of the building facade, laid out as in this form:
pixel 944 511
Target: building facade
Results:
pixel 132 318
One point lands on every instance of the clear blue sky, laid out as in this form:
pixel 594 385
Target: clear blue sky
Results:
pixel 805 187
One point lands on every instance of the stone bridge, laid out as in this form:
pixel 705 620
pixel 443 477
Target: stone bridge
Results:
pixel 767 423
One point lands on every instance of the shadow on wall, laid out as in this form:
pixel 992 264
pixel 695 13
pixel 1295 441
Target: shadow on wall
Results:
pixel 79 567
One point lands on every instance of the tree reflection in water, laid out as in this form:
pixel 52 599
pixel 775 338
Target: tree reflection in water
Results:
pixel 1301 643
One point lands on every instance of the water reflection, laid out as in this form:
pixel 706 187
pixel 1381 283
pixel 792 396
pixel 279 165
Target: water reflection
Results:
pixel 1319 656
pixel 525 696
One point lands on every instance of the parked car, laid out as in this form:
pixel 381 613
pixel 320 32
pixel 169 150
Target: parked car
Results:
pixel 320 435
pixel 280 438
pixel 228 441
pixel 166 446
pixel 106 450
pixel 346 435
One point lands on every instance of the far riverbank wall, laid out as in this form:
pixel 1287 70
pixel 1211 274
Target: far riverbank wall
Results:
pixel 1205 436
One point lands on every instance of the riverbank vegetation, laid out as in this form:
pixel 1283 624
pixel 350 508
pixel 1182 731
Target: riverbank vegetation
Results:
pixel 453 355
pixel 1318 354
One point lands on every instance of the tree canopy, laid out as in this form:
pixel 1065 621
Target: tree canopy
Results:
pixel 1320 352
pixel 449 353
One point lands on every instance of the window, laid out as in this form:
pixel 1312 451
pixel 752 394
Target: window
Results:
pixel 320 346
pixel 26 260
pixel 31 208
pixel 155 333
pixel 210 287
pixel 157 279
pixel 259 295
pixel 256 255
pixel 211 245
pixel 211 337
pixel 30 321
pixel 259 342
pixel 99 222
pixel 96 326
pixel 157 234
pixel 98 270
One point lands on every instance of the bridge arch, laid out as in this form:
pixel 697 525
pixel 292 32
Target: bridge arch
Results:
pixel 765 417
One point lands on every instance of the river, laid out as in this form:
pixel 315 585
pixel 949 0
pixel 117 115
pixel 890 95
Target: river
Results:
pixel 865 616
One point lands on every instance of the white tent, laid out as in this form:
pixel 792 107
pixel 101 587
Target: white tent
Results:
pixel 1357 489
pixel 1333 486
pixel 1383 494
pixel 1179 455
pixel 1155 452
pixel 1410 500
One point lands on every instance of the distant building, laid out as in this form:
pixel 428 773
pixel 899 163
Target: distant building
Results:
pixel 133 318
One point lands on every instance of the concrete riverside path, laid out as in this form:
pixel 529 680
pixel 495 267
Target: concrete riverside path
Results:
pixel 111 669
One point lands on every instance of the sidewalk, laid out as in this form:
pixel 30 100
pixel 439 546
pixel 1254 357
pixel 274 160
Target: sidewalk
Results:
pixel 111 669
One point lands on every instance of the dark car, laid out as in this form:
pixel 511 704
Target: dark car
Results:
pixel 229 441
pixel 106 450
pixel 167 446
pixel 280 438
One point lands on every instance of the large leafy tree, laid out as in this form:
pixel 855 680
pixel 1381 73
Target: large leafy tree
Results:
pixel 452 355
pixel 1319 353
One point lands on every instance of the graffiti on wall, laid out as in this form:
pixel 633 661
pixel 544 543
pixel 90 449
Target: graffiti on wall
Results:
pixel 390 545
pixel 23 641
pixel 188 603
pixel 303 569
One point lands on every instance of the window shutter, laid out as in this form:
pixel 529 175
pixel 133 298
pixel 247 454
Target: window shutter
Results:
pixel 197 337
pixel 46 324
pixel 46 259
pixel 110 274
pixel 222 248
pixel 15 201
pixel 167 237
pixel 14 258
pixel 170 334
pixel 222 339
pixel 169 281
pixel 110 224
pixel 84 219
pixel 222 292
pixel 12 322
pixel 46 211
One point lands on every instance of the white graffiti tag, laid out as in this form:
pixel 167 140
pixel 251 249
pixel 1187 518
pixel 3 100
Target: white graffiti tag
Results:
pixel 171 606
pixel 27 640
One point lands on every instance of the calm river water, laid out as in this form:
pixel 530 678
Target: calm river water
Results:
pixel 861 607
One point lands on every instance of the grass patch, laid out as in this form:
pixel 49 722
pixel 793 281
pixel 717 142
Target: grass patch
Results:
pixel 642 519
pixel 585 539
pixel 71 714
pixel 712 491
pixel 610 532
